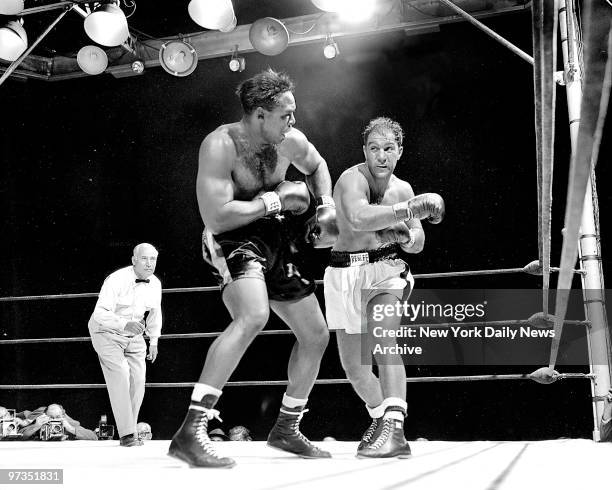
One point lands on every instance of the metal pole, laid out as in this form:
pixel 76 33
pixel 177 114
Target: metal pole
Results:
pixel 592 280
pixel 18 61
pixel 488 31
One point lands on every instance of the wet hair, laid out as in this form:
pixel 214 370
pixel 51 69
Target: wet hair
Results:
pixel 380 124
pixel 263 90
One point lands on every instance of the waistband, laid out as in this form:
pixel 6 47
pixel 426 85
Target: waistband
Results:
pixel 362 257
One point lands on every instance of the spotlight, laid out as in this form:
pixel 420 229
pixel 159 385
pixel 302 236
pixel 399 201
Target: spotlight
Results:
pixel 213 14
pixel 107 25
pixel 178 58
pixel 237 63
pixel 13 40
pixel 11 7
pixel 138 66
pixel 92 60
pixel 350 10
pixel 269 36
pixel 331 50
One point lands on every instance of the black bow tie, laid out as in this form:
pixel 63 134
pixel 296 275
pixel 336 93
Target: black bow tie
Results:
pixel 142 280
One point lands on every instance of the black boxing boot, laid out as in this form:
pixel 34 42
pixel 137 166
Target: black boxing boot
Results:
pixel 286 435
pixel 390 441
pixel 191 442
pixel 371 433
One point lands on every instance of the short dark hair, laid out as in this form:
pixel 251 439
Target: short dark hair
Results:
pixel 382 123
pixel 263 90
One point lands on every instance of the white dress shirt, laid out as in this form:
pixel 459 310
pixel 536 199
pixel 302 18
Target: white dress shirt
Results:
pixel 123 300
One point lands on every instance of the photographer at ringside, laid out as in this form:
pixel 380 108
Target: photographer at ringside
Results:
pixel 52 423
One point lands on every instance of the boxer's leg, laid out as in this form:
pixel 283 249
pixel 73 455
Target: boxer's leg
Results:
pixel 305 318
pixel 247 301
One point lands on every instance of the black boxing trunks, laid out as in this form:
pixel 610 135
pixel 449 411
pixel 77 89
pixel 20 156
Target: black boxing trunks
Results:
pixel 264 249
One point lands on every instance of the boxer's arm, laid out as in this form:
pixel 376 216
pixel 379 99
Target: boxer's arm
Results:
pixel 305 157
pixel 351 194
pixel 416 245
pixel 214 187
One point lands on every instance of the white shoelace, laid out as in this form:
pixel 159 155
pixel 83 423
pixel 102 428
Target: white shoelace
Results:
pixel 383 436
pixel 202 429
pixel 367 437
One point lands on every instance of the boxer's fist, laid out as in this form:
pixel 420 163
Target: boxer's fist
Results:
pixel 398 233
pixel 294 196
pixel 429 206
pixel 321 229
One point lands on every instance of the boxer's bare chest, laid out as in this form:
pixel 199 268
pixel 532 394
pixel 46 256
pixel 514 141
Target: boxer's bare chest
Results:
pixel 256 169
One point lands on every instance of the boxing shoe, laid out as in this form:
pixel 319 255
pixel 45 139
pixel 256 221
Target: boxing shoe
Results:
pixel 130 440
pixel 191 442
pixel 286 435
pixel 389 443
pixel 370 434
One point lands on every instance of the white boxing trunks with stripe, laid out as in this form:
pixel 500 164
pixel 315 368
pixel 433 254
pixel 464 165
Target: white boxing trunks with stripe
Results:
pixel 344 286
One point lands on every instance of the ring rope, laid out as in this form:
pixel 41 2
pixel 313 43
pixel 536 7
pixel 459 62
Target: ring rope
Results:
pixel 529 269
pixel 198 335
pixel 417 379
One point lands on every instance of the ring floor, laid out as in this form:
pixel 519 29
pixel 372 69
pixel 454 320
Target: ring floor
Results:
pixel 474 465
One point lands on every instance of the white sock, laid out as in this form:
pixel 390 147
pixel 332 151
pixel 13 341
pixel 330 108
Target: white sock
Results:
pixel 200 390
pixel 395 414
pixel 376 412
pixel 290 402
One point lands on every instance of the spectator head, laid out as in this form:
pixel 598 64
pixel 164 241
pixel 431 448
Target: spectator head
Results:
pixel 240 433
pixel 217 435
pixel 144 431
pixel 55 411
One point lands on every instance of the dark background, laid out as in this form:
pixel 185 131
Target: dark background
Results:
pixel 92 166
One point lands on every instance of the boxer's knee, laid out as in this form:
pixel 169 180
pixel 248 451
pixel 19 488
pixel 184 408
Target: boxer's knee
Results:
pixel 356 372
pixel 246 327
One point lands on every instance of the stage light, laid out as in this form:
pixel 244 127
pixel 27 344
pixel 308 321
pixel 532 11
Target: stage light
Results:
pixel 269 36
pixel 11 7
pixel 349 10
pixel 107 25
pixel 178 58
pixel 237 63
pixel 92 60
pixel 213 14
pixel 138 66
pixel 331 50
pixel 13 40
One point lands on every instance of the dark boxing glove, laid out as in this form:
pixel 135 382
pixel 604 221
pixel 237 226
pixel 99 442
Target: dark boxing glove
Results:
pixel 429 206
pixel 292 197
pixel 321 229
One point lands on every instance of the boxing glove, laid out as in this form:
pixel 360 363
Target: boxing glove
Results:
pixel 399 233
pixel 321 229
pixel 429 206
pixel 292 197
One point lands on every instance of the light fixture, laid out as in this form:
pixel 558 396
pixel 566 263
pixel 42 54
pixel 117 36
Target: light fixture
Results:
pixel 269 36
pixel 330 50
pixel 213 14
pixel 11 7
pixel 350 10
pixel 107 25
pixel 138 66
pixel 13 40
pixel 92 60
pixel 178 58
pixel 237 63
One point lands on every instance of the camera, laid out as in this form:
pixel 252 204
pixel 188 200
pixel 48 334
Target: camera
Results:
pixel 105 431
pixel 8 426
pixel 52 430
